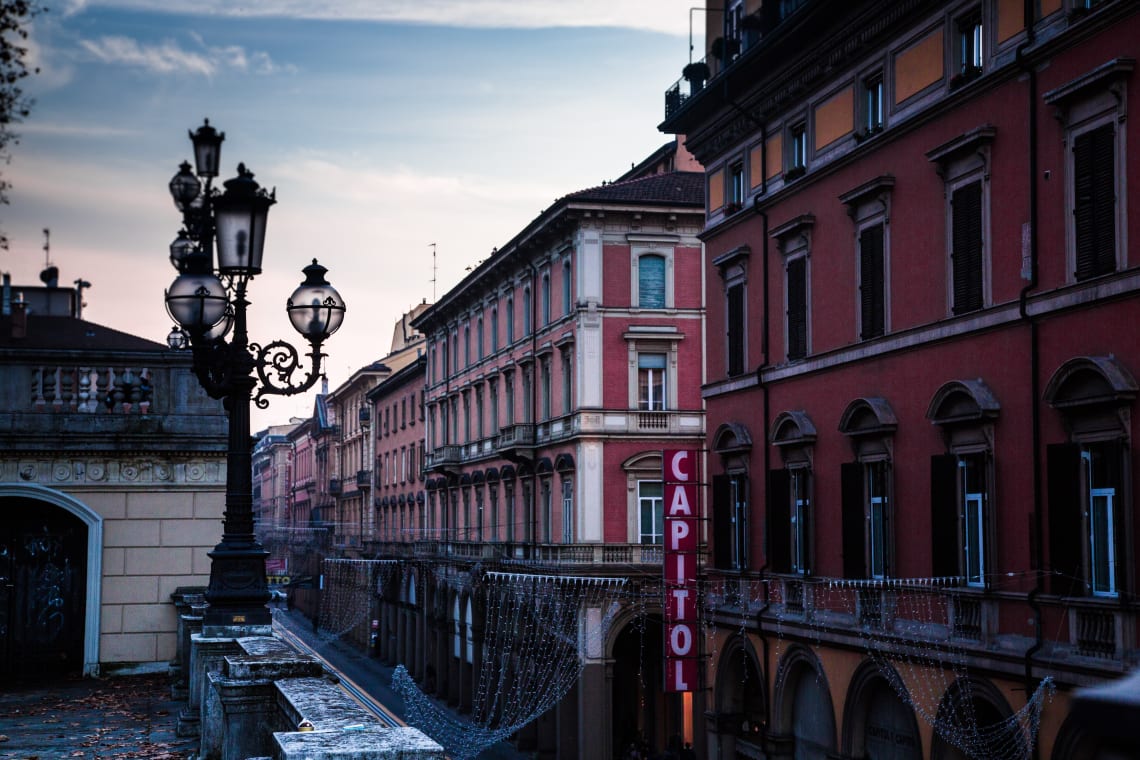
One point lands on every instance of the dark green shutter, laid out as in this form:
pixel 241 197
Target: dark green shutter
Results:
pixel 722 521
pixel 651 282
pixel 854 520
pixel 1066 537
pixel 735 319
pixel 779 522
pixel 944 516
pixel 1094 209
pixel 966 207
pixel 797 308
pixel 871 282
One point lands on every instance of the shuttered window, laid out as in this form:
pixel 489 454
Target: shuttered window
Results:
pixel 872 295
pixel 1063 461
pixel 1094 209
pixel 853 519
pixel 651 282
pixel 797 308
pixel 966 258
pixel 735 328
pixel 777 538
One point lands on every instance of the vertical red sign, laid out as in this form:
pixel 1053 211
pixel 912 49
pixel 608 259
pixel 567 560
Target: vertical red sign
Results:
pixel 679 473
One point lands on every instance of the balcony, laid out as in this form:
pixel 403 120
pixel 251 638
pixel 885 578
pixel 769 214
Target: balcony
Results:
pixel 443 457
pixel 568 556
pixel 363 478
pixel 334 486
pixel 516 441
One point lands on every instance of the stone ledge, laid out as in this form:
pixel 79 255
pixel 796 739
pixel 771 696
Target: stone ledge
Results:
pixel 367 744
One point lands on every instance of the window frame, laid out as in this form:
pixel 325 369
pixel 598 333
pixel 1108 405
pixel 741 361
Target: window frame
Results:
pixel 648 401
pixel 657 518
pixel 637 253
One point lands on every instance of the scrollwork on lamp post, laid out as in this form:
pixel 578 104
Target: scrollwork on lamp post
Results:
pixel 208 301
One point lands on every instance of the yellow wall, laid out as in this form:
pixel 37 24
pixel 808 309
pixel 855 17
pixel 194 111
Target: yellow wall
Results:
pixel 716 189
pixel 835 117
pixel 1010 14
pixel 774 159
pixel 918 66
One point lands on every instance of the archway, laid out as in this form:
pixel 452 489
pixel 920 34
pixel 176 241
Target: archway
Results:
pixel 877 722
pixel 804 712
pixel 637 697
pixel 51 557
pixel 741 701
pixel 975 720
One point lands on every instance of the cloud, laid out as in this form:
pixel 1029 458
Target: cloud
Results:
pixel 168 57
pixel 92 131
pixel 665 16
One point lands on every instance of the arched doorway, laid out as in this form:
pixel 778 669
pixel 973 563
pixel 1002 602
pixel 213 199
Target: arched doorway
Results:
pixel 50 568
pixel 975 720
pixel 638 698
pixel 741 702
pixel 804 719
pixel 877 723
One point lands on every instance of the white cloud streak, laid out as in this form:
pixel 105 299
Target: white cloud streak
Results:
pixel 665 16
pixel 168 57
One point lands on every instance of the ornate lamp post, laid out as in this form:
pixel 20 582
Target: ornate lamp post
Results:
pixel 208 301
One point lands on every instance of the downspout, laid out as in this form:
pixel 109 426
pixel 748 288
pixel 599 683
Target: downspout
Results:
pixel 1034 352
pixel 765 403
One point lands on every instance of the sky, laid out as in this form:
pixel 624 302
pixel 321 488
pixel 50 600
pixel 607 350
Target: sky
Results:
pixel 384 125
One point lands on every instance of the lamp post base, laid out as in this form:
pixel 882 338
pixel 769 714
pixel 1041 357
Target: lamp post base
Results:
pixel 237 593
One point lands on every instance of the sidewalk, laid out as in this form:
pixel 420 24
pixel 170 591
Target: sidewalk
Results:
pixel 120 717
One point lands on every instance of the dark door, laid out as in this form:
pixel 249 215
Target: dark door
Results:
pixel 43 585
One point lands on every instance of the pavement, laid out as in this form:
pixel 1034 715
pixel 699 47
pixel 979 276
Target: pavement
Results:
pixel 134 716
pixel 120 717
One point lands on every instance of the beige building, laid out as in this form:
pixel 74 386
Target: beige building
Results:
pixel 112 484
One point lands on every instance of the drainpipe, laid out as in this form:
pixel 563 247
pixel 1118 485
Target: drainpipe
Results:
pixel 1034 350
pixel 765 330
pixel 534 293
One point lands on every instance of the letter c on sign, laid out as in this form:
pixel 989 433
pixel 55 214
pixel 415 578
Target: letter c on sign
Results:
pixel 678 465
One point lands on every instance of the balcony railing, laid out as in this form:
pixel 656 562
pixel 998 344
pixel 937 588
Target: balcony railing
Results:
pixel 334 486
pixel 363 478
pixel 444 455
pixel 1094 631
pixel 515 436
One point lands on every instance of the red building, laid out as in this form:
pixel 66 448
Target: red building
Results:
pixel 922 359
pixel 556 373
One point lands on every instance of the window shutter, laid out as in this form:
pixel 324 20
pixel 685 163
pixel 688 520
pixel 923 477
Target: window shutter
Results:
pixel 779 521
pixel 1114 458
pixel 735 319
pixel 966 205
pixel 722 521
pixel 944 515
pixel 651 282
pixel 743 490
pixel 1063 462
pixel 1094 210
pixel 797 308
pixel 871 282
pixel 854 520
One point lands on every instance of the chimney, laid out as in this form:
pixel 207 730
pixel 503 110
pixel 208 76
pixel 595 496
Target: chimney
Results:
pixel 19 319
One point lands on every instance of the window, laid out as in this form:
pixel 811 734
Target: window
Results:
pixel 734 328
pixel 730 521
pixel 466 417
pixel 651 281
pixel 544 387
pixel 1087 506
pixel 493 403
pixel 566 382
pixel 494 330
pixel 545 298
pixel 566 283
pixel 972 487
pixel 1094 201
pixel 567 510
pixel 967 259
pixel 479 412
pixel 970 53
pixel 650 512
pixel 528 393
pixel 493 497
pixel 479 513
pixel 873 103
pixel 454 353
pixel 872 287
pixel 509 504
pixel 509 397
pixel 735 188
pixel 546 509
pixel 797 308
pixel 479 339
pixel 510 320
pixel 866 519
pixel 797 145
pixel 800 504
pixel 526 311
pixel 467 345
pixel 651 382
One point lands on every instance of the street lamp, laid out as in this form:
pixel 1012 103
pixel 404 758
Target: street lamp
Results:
pixel 208 301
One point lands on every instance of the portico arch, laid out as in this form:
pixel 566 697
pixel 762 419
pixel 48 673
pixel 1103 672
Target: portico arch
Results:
pixel 10 493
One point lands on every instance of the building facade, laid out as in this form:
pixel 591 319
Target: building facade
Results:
pixel 112 483
pixel 922 365
pixel 556 373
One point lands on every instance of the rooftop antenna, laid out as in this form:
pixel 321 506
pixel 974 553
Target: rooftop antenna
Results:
pixel 434 272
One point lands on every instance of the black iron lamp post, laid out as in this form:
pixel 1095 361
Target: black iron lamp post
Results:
pixel 208 301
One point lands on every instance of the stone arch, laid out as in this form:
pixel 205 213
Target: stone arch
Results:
pixel 94 524
pixel 1090 380
pixel 793 428
pixel 802 708
pixel 877 721
pixel 985 704
pixel 741 698
pixel 870 415
pixel 732 437
pixel 963 401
